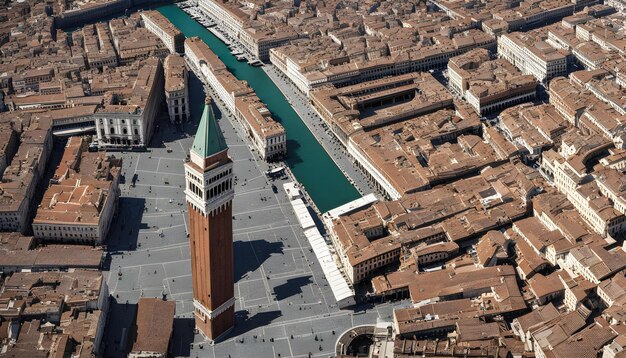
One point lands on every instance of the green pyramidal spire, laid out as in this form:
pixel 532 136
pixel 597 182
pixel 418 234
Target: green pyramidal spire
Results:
pixel 209 139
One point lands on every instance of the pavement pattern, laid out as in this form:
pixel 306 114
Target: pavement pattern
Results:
pixel 284 306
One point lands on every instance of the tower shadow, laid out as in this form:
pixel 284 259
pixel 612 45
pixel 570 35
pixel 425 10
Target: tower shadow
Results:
pixel 245 323
pixel 250 255
pixel 292 287
pixel 182 336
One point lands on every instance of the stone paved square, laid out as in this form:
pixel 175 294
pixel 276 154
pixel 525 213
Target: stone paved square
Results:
pixel 280 289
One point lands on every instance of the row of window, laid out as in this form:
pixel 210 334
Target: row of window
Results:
pixel 123 121
pixel 193 177
pixel 176 109
pixel 377 261
pixel 112 131
pixel 219 176
pixel 273 148
pixel 87 237
pixel 66 228
pixel 211 192
pixel 195 189
pixel 279 139
pixel 219 189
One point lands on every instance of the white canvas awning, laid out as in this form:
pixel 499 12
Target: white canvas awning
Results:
pixel 344 295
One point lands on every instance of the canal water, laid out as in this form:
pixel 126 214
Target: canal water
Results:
pixel 306 158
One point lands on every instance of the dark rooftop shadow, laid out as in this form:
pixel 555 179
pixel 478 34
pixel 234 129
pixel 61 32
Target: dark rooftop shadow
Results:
pixel 244 323
pixel 125 227
pixel 292 287
pixel 182 337
pixel 118 330
pixel 250 255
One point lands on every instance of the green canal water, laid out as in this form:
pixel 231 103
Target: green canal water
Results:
pixel 306 158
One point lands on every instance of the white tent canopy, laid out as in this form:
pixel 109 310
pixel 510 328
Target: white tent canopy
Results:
pixel 344 295
pixel 351 206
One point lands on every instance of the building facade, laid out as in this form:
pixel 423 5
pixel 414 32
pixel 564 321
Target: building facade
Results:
pixel 209 192
pixel 168 33
pixel 265 134
pixel 79 207
pixel 176 90
pixel 506 87
pixel 235 23
pixel 132 124
pixel 532 56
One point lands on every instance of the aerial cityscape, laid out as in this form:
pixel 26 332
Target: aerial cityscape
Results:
pixel 330 178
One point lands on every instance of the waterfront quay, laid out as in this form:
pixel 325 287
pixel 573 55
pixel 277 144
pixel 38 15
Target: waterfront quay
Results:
pixel 283 303
pixel 320 130
pixel 324 182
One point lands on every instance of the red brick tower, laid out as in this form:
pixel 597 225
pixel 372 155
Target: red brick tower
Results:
pixel 209 192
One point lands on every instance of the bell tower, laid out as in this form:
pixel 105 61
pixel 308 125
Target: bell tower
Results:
pixel 209 192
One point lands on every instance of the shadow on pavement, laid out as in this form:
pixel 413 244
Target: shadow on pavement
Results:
pixel 292 287
pixel 119 328
pixel 123 234
pixel 244 323
pixel 182 337
pixel 249 255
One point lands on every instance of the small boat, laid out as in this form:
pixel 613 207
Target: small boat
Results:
pixel 240 57
pixel 275 171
